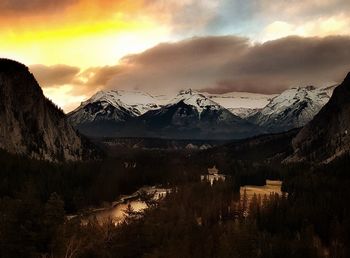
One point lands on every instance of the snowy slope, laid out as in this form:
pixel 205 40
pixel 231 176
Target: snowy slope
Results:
pixel 247 100
pixel 113 105
pixel 292 108
pixel 191 115
pixel 326 137
pixel 244 112
pixel 197 114
pixel 242 104
pixel 138 101
pixel 195 99
pixel 101 107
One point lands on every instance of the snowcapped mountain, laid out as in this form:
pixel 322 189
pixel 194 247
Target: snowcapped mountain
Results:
pixel 141 101
pixel 326 137
pixel 292 108
pixel 242 104
pixel 193 115
pixel 103 111
pixel 102 106
pixel 196 100
pixel 197 114
pixel 244 112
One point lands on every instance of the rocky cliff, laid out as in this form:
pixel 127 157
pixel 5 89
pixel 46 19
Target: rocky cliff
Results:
pixel 327 136
pixel 32 125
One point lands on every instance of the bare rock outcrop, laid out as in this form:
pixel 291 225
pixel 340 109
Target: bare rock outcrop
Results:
pixel 32 125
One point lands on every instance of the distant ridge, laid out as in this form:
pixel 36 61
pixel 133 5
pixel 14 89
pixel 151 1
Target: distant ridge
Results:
pixel 190 115
pixel 128 113
pixel 293 108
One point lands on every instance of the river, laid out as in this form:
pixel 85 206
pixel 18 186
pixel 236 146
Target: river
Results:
pixel 117 214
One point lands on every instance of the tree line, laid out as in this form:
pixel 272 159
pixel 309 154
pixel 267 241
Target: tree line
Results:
pixel 194 220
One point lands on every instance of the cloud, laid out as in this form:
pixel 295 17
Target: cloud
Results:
pixel 334 25
pixel 306 9
pixel 100 76
pixel 170 66
pixel 185 17
pixel 55 75
pixel 33 6
pixel 232 63
pixel 215 64
pixel 68 86
pixel 180 16
pixel 272 19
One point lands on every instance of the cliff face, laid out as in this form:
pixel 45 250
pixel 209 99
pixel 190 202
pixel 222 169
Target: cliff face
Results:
pixel 30 124
pixel 327 136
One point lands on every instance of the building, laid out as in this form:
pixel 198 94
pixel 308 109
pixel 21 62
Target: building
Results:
pixel 213 175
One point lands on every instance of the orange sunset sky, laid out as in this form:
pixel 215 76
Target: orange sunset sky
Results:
pixel 77 47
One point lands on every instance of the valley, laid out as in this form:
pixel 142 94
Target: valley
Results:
pixel 92 201
pixel 174 129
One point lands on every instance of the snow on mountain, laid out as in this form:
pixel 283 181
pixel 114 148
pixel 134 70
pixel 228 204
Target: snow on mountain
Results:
pixel 244 112
pixel 118 112
pixel 292 108
pixel 326 136
pixel 138 101
pixel 242 104
pixel 195 99
pixel 192 115
pixel 113 105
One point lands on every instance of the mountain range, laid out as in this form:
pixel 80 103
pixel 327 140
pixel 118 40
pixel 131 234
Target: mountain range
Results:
pixel 192 114
pixel 324 139
pixel 31 125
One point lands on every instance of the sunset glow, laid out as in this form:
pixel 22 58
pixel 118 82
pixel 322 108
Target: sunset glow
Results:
pixel 80 36
pixel 100 35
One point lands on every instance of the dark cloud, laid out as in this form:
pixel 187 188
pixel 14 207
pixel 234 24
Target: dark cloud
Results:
pixel 100 76
pixel 233 64
pixel 292 61
pixel 216 64
pixel 86 82
pixel 33 6
pixel 189 63
pixel 56 75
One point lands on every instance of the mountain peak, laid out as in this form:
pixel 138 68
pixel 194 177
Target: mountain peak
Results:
pixel 195 99
pixel 192 95
pixel 187 92
pixel 292 108
pixel 111 107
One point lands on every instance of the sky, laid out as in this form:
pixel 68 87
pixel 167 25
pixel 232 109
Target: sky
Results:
pixel 78 47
